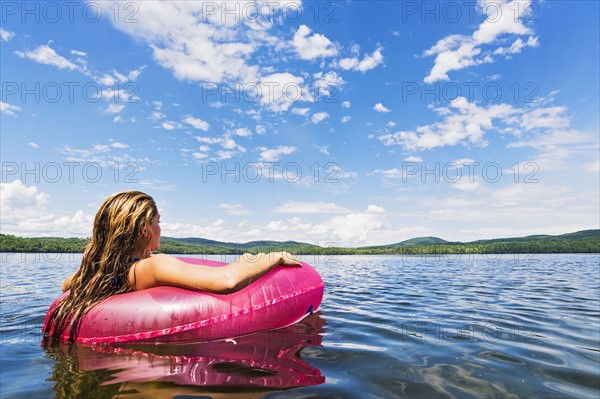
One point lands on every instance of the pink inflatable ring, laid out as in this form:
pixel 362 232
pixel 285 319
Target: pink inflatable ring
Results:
pixel 282 297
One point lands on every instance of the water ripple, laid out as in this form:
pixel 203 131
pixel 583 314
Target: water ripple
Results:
pixel 404 326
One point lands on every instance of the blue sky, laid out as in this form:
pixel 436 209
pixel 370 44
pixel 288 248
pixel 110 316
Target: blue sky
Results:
pixel 336 123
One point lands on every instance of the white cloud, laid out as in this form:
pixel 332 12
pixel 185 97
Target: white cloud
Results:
pixel 78 53
pixel 242 132
pixel 346 119
pixel 346 104
pixel 24 212
pixel 309 47
pixel 6 35
pixel 455 52
pixel 114 108
pixel 328 83
pixel 202 46
pixel 169 125
pixel 517 46
pixel 366 64
pixel 8 109
pixel 353 227
pixel 467 123
pixel 118 95
pixel 155 116
pixel 197 123
pixel 104 155
pixel 281 90
pixel 464 161
pixel 350 228
pixel 118 145
pixel 319 117
pixel 274 154
pixel 209 140
pixel 549 117
pixel 200 155
pixel 375 209
pixel 18 197
pixel 390 173
pixel 300 111
pixel 515 210
pixel 323 149
pixel 44 54
pixel 296 207
pixel 379 107
pixel 554 147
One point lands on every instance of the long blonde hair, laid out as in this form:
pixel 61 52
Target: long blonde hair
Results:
pixel 122 228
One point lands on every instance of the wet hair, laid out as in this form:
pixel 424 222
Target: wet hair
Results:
pixel 122 228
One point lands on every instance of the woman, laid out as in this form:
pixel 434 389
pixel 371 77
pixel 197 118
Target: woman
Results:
pixel 117 260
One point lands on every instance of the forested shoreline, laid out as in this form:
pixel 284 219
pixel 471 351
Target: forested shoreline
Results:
pixel 587 241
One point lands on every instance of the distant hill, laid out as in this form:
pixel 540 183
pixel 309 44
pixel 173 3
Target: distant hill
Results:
pixel 421 241
pixel 585 241
pixel 583 234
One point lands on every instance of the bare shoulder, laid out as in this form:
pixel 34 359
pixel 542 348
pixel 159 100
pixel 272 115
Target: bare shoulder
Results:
pixel 159 259
pixel 143 274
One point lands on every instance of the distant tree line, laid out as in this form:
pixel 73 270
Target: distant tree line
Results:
pixel 572 243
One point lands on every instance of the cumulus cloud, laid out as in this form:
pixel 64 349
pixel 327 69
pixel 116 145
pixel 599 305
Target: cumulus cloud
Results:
pixel 517 46
pixel 465 122
pixel 201 46
pixel 379 107
pixel 455 52
pixel 281 90
pixel 546 129
pixel 300 111
pixel 24 212
pixel 242 132
pixel 104 155
pixel 353 227
pixel 319 117
pixel 309 47
pixel 6 35
pixel 367 63
pixel 44 54
pixel 323 149
pixel 114 108
pixel 275 154
pixel 197 123
pixel 17 196
pixel 327 83
pixel 9 109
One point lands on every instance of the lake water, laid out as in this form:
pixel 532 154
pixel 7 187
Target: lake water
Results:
pixel 496 326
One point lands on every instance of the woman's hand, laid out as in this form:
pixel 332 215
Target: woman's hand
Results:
pixel 272 259
pixel 285 259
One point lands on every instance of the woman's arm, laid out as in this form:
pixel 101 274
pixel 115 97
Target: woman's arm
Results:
pixel 66 285
pixel 166 270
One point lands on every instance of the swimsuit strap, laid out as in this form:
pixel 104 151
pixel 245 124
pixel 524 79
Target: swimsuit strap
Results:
pixel 130 261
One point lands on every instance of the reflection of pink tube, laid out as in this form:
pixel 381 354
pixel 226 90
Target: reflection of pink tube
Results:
pixel 165 314
pixel 266 359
